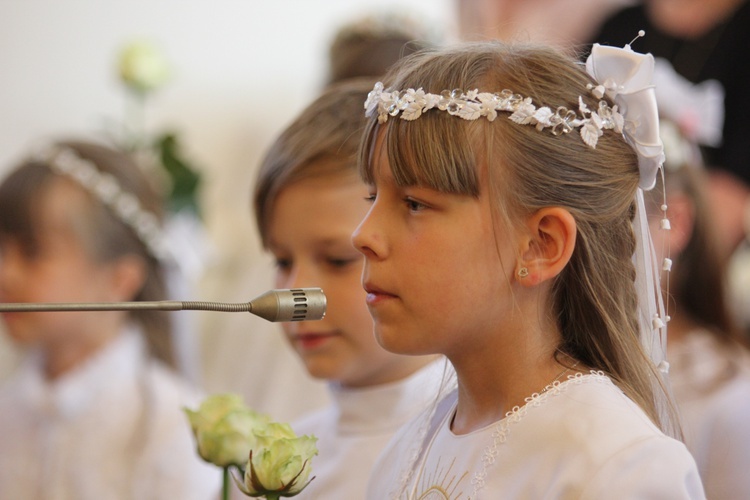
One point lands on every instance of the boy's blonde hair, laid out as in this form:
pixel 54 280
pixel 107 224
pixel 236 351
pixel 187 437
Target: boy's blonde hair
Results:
pixel 322 140
pixel 593 300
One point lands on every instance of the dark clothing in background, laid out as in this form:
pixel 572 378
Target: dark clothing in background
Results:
pixel 722 54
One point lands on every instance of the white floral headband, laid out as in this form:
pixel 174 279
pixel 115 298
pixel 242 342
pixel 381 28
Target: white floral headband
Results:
pixel 623 75
pixel 105 188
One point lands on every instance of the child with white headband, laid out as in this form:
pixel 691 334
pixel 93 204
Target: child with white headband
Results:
pixel 94 411
pixel 507 232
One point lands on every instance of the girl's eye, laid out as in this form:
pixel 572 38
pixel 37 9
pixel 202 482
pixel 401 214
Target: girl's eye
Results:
pixel 370 197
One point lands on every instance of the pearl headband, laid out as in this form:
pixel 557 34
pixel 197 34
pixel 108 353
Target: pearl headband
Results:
pixel 105 188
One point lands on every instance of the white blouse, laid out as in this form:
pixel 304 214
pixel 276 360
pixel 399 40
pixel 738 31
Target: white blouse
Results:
pixel 355 428
pixel 111 429
pixel 580 439
pixel 713 394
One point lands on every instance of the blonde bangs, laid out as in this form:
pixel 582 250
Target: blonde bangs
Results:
pixel 424 154
pixel 437 150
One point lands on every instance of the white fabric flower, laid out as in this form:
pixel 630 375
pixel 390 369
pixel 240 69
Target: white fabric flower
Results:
pixel 627 77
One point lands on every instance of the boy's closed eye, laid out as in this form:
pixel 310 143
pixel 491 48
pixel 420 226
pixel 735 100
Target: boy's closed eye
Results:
pixel 342 262
pixel 414 205
pixel 333 262
pixel 283 264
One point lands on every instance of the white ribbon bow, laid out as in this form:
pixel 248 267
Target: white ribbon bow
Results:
pixel 626 77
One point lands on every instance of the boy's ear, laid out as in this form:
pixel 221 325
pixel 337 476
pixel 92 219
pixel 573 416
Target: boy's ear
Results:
pixel 547 247
pixel 128 277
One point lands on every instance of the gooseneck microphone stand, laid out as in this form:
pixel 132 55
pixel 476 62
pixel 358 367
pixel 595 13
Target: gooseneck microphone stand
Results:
pixel 295 304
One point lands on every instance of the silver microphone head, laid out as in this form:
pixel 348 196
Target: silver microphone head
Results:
pixel 295 304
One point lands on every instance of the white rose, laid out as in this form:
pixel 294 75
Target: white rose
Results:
pixel 142 67
pixel 280 462
pixel 224 429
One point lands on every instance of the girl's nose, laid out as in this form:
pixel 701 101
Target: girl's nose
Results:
pixel 366 239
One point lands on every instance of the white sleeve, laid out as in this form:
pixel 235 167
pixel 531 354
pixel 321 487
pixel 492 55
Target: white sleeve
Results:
pixel 654 468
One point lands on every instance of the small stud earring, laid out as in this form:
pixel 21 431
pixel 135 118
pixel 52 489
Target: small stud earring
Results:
pixel 523 272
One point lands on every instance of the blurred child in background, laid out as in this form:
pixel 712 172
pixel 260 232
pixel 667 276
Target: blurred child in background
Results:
pixel 709 359
pixel 94 411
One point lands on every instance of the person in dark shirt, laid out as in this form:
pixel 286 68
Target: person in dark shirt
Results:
pixel 703 40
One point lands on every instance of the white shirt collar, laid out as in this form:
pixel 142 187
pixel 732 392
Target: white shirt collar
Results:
pixel 70 394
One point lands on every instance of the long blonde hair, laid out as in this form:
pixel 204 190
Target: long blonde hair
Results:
pixel 593 300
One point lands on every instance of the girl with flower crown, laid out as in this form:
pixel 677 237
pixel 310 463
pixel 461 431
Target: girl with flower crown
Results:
pixel 94 411
pixel 501 233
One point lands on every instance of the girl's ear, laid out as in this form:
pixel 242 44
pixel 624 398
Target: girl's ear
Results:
pixel 548 246
pixel 128 276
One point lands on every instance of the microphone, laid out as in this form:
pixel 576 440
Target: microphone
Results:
pixel 295 304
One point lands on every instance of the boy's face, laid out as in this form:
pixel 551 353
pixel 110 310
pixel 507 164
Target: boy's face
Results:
pixel 309 235
pixel 58 270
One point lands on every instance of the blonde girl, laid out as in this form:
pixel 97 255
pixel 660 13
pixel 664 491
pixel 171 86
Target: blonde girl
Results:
pixel 501 234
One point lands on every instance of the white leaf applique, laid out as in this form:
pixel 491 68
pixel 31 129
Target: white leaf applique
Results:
pixel 524 113
pixel 411 112
pixel 582 106
pixel 373 98
pixel 412 103
pixel 618 120
pixel 470 111
pixel 430 101
pixel 542 117
pixel 590 133
pixel 488 104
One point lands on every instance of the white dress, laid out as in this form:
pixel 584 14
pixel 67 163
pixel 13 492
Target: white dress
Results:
pixel 581 439
pixel 111 429
pixel 355 428
pixel 713 395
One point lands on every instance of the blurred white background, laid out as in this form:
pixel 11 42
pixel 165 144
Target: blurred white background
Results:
pixel 242 70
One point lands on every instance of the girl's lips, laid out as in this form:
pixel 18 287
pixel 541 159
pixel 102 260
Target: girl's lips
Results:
pixel 376 295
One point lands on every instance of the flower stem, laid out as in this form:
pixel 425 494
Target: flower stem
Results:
pixel 225 485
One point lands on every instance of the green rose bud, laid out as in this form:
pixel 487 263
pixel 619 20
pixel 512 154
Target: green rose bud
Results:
pixel 279 464
pixel 142 67
pixel 224 429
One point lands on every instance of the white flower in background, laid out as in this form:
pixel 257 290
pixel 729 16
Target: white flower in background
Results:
pixel 142 67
